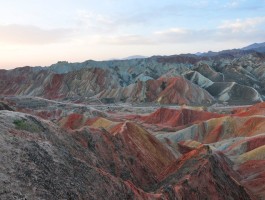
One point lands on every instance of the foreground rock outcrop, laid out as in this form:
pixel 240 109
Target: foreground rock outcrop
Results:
pixel 37 162
pixel 109 160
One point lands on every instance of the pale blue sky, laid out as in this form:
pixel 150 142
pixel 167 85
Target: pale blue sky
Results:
pixel 37 32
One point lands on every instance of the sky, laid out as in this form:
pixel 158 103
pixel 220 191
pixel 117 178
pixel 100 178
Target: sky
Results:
pixel 40 33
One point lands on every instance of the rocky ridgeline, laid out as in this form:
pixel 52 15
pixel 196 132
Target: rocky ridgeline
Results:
pixel 231 77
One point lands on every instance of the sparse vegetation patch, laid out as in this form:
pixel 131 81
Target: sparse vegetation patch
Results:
pixel 23 124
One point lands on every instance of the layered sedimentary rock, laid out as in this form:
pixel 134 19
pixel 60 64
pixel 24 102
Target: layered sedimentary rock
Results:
pixel 154 79
pixel 120 162
pixel 39 162
pixel 175 90
pixel 66 132
pixel 76 84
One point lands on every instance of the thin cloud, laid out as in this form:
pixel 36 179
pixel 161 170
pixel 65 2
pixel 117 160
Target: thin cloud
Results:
pixel 239 25
pixel 101 23
pixel 172 31
pixel 240 30
pixel 94 23
pixel 178 35
pixel 245 5
pixel 191 36
pixel 31 35
pixel 233 4
pixel 126 40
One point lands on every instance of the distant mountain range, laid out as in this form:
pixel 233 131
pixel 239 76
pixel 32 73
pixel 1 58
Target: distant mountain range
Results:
pixel 129 57
pixel 254 46
pixel 134 57
pixel 177 79
pixel 257 47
